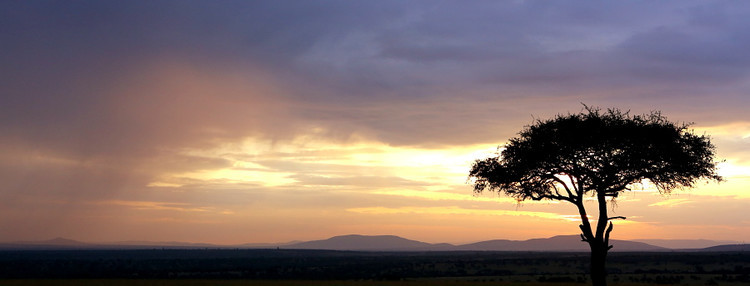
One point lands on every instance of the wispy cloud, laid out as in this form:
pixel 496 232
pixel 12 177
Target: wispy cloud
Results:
pixel 160 206
pixel 670 203
pixel 453 210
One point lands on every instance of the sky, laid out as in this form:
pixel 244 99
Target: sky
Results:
pixel 270 121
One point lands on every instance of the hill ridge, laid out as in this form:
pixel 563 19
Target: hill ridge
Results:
pixel 386 242
pixel 392 242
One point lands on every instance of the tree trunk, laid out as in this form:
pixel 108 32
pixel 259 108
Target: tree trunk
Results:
pixel 598 241
pixel 598 261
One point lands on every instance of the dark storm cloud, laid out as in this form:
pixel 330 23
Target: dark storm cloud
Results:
pixel 567 44
pixel 340 58
pixel 61 55
pixel 61 58
pixel 695 52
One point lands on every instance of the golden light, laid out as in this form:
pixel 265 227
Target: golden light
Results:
pixel 436 169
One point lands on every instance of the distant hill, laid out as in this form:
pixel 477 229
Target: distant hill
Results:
pixel 390 242
pixel 60 241
pixel 55 243
pixel 162 243
pixel 728 247
pixel 685 243
pixel 267 245
pixel 555 243
pixel 362 242
pixel 356 242
pixel 64 243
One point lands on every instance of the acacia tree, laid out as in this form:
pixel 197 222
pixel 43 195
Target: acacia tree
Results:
pixel 596 154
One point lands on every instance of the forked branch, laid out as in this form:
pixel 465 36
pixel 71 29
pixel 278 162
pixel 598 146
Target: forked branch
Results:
pixel 606 236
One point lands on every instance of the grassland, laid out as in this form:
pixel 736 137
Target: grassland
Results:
pixel 343 268
pixel 420 282
pixel 121 282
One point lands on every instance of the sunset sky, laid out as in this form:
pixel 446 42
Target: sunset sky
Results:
pixel 269 121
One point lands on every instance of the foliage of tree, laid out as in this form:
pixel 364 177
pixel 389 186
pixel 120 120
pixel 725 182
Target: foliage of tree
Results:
pixel 597 154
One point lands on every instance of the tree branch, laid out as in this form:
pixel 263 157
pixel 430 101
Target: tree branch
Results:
pixel 606 236
pixel 584 235
pixel 574 182
pixel 562 198
pixel 587 235
pixel 601 224
pixel 579 190
pixel 557 191
pixel 567 189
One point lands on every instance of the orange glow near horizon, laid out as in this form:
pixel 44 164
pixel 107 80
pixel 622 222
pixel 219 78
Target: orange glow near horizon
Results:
pixel 368 187
pixel 413 182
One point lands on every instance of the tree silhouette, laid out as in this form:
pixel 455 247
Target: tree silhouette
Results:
pixel 597 154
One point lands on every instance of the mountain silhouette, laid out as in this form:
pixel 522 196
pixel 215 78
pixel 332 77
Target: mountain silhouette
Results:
pixel 728 248
pixel 391 242
pixel 55 243
pixel 363 242
pixel 61 241
pixel 555 243
pixel 355 242
pixel 685 243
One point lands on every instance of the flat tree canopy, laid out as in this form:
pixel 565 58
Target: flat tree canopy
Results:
pixel 597 154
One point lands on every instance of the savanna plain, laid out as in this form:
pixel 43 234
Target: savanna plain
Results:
pixel 273 267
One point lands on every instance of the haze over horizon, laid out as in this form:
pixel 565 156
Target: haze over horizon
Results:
pixel 358 242
pixel 269 121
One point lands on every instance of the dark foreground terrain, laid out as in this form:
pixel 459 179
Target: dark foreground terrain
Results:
pixel 312 267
